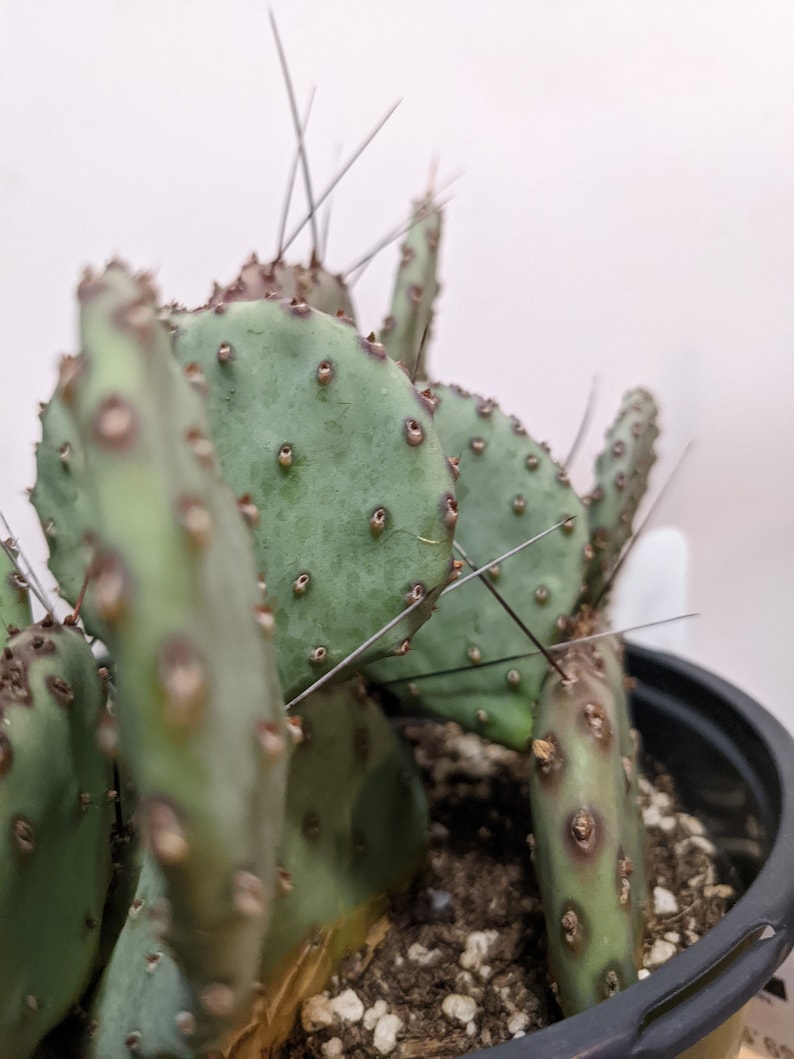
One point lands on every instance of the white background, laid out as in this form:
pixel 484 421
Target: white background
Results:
pixel 627 212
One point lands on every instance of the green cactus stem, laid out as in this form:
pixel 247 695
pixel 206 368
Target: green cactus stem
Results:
pixel 174 579
pixel 406 330
pixel 621 481
pixel 586 825
pixel 55 816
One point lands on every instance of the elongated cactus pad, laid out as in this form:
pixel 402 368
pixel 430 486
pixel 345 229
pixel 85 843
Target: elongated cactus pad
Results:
pixel 407 327
pixel 621 480
pixel 586 822
pixel 199 705
pixel 312 284
pixel 55 815
pixel 338 466
pixel 510 489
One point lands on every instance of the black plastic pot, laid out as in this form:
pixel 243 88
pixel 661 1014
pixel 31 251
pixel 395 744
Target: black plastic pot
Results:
pixel 734 766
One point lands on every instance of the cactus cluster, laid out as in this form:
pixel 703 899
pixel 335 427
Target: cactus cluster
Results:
pixel 236 499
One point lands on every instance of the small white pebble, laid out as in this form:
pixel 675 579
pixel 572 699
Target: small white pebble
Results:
pixel 419 954
pixel 703 843
pixel 348 1006
pixel 521 1033
pixel 723 891
pixel 662 799
pixel 459 1008
pixel 651 816
pixel 517 1022
pixel 316 1013
pixel 467 984
pixel 643 973
pixel 668 824
pixel 333 1049
pixel 673 936
pixel 485 972
pixel 664 901
pixel 471 1029
pixel 371 1015
pixel 691 824
pixel 398 960
pixel 385 1036
pixel 660 953
pixel 477 945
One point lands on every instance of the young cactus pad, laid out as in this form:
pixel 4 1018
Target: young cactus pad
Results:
pixel 510 489
pixel 313 285
pixel 621 480
pixel 586 825
pixel 55 815
pixel 174 579
pixel 406 330
pixel 337 465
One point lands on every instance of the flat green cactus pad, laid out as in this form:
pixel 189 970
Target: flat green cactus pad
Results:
pixel 55 817
pixel 510 489
pixel 337 464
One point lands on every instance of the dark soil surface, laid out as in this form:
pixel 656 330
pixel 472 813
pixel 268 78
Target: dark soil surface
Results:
pixel 463 966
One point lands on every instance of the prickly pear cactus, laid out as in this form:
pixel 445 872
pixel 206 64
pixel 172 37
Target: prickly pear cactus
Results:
pixel 510 489
pixel 406 330
pixel 173 578
pixel 313 285
pixel 585 822
pixel 338 467
pixel 55 816
pixel 621 480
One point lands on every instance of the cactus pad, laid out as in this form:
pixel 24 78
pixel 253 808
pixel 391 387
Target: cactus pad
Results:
pixel 313 285
pixel 585 823
pixel 621 480
pixel 416 287
pixel 55 816
pixel 510 489
pixel 338 466
pixel 200 711
pixel 15 610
